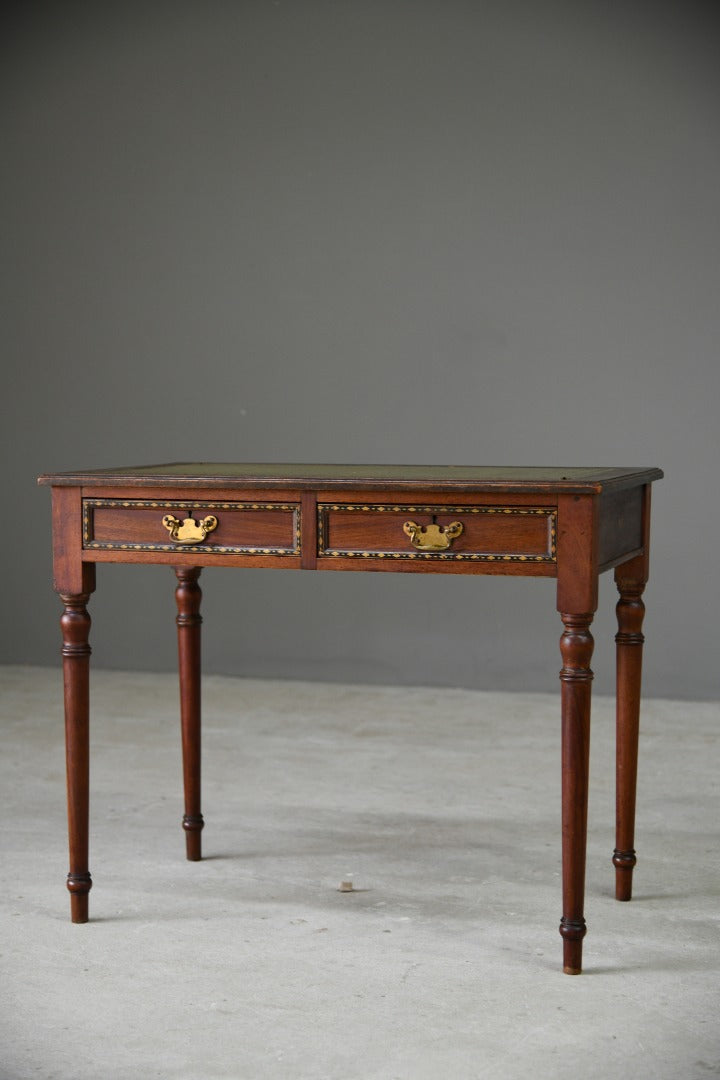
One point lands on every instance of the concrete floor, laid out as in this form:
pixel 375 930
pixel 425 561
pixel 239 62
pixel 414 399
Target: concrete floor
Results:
pixel 444 963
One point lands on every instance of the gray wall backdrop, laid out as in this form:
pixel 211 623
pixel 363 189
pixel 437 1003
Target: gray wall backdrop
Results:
pixel 434 231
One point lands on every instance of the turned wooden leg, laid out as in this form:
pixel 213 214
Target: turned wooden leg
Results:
pixel 189 620
pixel 576 647
pixel 75 625
pixel 629 642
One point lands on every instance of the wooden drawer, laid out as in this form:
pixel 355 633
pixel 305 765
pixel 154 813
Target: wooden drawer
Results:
pixel 241 528
pixel 487 533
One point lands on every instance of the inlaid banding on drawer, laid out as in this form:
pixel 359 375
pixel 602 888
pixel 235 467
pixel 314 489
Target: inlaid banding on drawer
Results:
pixel 488 533
pixel 243 528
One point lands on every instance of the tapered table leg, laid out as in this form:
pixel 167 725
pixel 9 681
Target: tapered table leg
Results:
pixel 188 596
pixel 75 626
pixel 629 646
pixel 576 647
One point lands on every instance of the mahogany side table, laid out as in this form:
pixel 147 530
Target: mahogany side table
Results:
pixel 570 524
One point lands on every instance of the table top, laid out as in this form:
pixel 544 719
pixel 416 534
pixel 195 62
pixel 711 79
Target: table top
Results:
pixel 471 478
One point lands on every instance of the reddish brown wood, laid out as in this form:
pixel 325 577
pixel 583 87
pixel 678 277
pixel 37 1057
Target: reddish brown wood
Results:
pixel 188 596
pixel 576 647
pixel 629 642
pixel 75 626
pixel 497 536
pixel 194 494
pixel 630 578
pixel 599 514
pixel 178 557
pixel 577 553
pixel 577 593
pixel 489 530
pixel 529 568
pixel 239 523
pixel 70 574
pixel 308 518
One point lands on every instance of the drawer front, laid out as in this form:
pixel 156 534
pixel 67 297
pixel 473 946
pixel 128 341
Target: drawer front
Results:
pixel 225 528
pixel 438 533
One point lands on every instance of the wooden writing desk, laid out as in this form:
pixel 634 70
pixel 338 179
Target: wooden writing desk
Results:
pixel 570 524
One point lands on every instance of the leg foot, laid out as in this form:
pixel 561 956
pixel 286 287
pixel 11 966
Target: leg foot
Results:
pixel 624 863
pixel 193 844
pixel 572 935
pixel 79 885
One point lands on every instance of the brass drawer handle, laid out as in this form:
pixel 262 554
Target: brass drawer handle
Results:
pixel 432 537
pixel 189 531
